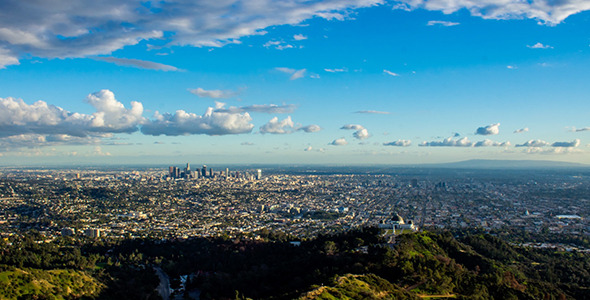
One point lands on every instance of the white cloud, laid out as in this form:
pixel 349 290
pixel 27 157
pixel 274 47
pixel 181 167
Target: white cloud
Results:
pixel 308 149
pixel 279 45
pixel 81 28
pixel 442 23
pixel 526 129
pixel 572 144
pixel 399 143
pixel 339 142
pixel 274 126
pixel 376 112
pixel 247 144
pixel 448 142
pixel 361 134
pixel 390 73
pixel 490 143
pixel 512 67
pixel 340 70
pixel 7 58
pixel 545 11
pixel 539 46
pixel 533 143
pixel 352 127
pixel 488 130
pixel 298 74
pixel 299 37
pixel 111 116
pixel 215 94
pixel 295 74
pixel 210 123
pixel 310 128
pixel 260 108
pixel 141 64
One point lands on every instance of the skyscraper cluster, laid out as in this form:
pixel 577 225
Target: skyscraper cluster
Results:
pixel 207 172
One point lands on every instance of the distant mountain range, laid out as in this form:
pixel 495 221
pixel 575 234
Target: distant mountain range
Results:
pixel 506 164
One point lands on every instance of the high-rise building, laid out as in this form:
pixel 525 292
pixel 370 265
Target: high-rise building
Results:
pixel 188 168
pixel 204 171
pixel 226 173
pixel 258 174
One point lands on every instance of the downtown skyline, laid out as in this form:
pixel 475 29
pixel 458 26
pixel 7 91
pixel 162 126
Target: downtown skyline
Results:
pixel 295 82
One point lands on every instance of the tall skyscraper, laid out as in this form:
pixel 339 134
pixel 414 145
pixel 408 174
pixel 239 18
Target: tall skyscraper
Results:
pixel 226 173
pixel 258 174
pixel 204 171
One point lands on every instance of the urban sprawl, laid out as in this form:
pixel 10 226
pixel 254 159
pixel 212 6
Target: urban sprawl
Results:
pixel 180 203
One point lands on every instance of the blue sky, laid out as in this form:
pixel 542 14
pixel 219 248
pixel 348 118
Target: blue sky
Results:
pixel 338 82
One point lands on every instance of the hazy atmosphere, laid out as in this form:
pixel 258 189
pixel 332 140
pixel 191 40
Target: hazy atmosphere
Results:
pixel 312 82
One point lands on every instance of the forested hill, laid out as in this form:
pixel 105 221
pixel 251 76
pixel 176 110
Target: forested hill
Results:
pixel 354 265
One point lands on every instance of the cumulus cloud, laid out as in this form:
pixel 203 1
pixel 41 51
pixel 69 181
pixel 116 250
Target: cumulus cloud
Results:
pixel 448 142
pixel 310 128
pixel 210 123
pixel 260 108
pixel 352 127
pixel 215 94
pixel 339 142
pixel 526 129
pixel 274 126
pixel 111 116
pixel 361 134
pixel 533 143
pixel 490 143
pixel 488 130
pixel 136 63
pixel 539 46
pixel 375 112
pixel 295 74
pixel 572 144
pixel 390 73
pixel 545 11
pixel 399 143
pixel 442 23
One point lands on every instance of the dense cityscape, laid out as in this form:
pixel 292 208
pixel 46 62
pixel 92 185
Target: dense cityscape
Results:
pixel 185 203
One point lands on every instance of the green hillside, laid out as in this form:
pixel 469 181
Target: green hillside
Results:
pixel 27 283
pixel 357 264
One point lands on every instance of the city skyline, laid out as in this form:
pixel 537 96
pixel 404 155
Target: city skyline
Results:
pixel 291 82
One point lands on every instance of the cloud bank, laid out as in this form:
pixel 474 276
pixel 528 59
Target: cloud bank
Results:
pixel 448 142
pixel 210 123
pixel 83 28
pixel 111 116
